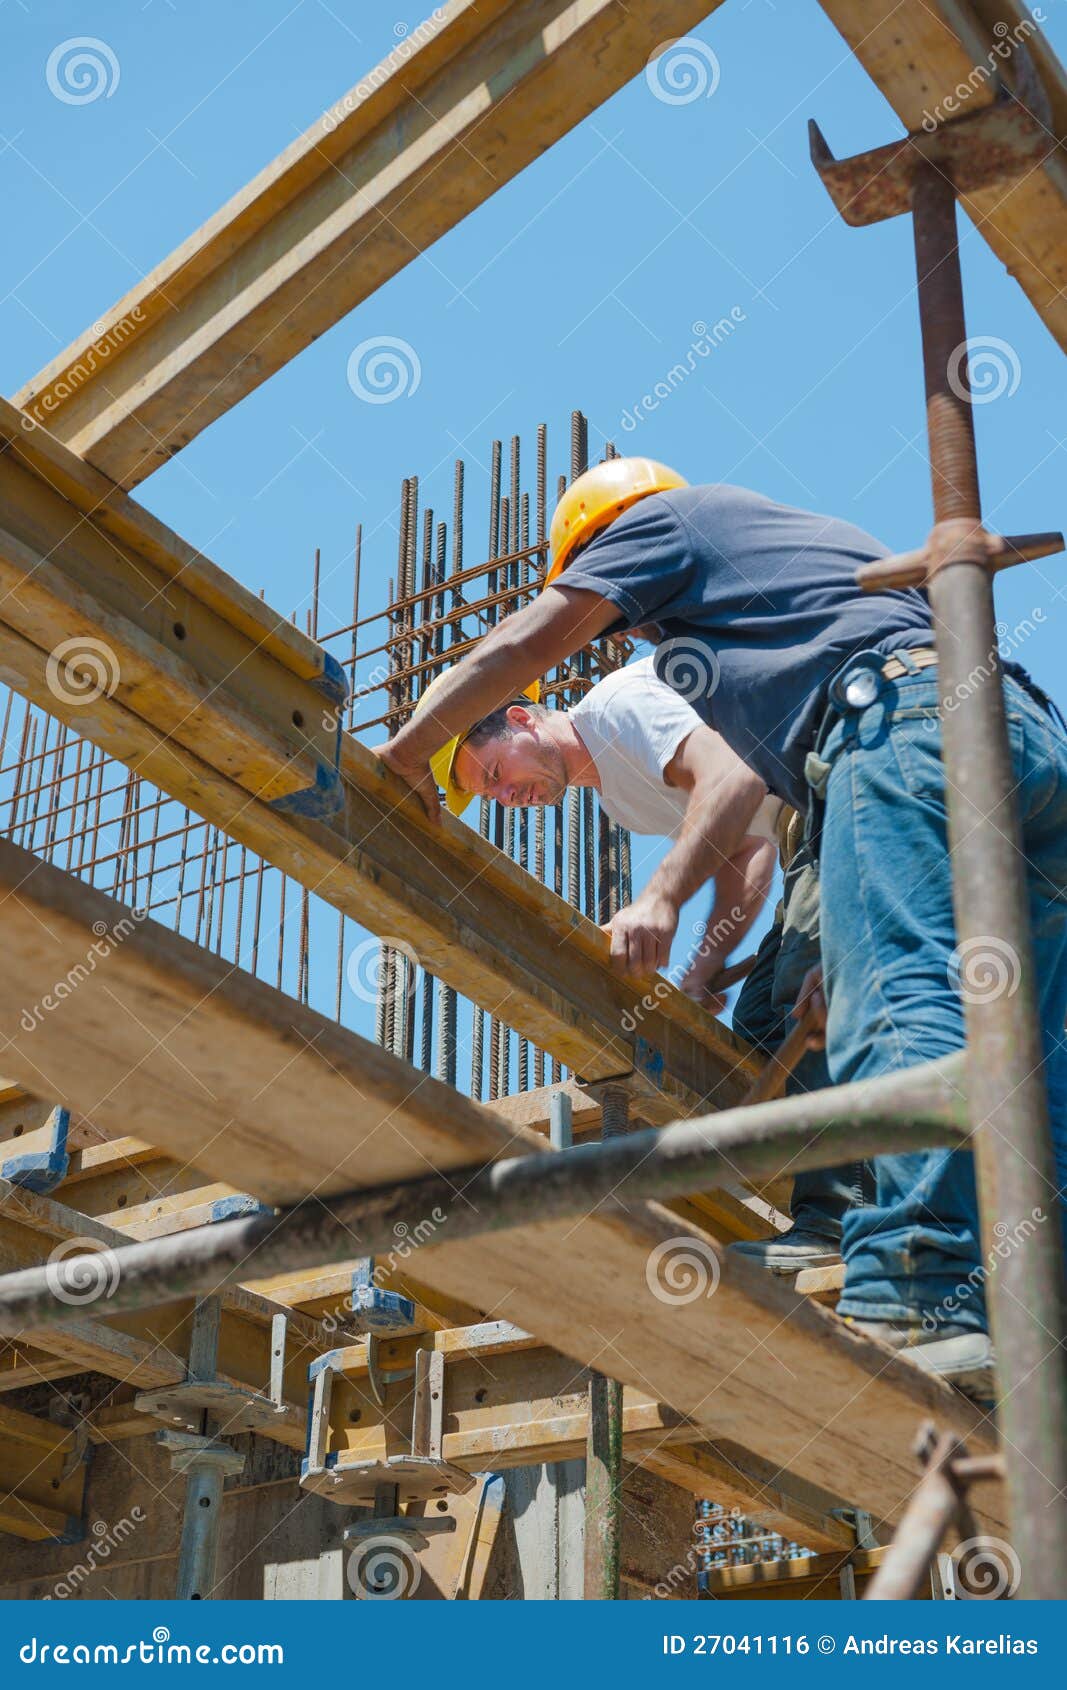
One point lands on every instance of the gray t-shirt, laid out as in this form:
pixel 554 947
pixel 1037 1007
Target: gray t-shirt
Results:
pixel 756 606
pixel 631 724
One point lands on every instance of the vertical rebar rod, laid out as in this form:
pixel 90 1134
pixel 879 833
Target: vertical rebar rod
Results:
pixel 1013 1146
pixel 603 1454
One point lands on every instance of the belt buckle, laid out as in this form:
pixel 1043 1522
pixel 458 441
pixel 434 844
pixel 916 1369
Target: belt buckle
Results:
pixel 859 682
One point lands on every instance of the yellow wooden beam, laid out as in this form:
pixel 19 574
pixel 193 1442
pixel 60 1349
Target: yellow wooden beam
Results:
pixel 296 1105
pixel 458 108
pixel 472 916
pixel 933 59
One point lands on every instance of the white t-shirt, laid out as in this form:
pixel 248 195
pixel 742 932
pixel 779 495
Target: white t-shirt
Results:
pixel 631 724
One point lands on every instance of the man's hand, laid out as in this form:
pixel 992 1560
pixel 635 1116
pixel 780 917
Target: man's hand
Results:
pixel 417 775
pixel 811 999
pixel 641 935
pixel 703 967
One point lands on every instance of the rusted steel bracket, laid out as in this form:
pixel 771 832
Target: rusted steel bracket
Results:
pixel 940 1501
pixel 995 144
pixel 956 541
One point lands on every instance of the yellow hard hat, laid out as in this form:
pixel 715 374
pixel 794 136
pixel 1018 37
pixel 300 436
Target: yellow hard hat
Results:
pixel 443 761
pixel 596 498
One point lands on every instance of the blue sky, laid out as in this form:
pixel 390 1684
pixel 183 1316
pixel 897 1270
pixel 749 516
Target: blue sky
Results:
pixel 577 284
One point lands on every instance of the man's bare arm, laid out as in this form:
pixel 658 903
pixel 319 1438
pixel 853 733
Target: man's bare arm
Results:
pixel 724 795
pixel 741 888
pixel 520 648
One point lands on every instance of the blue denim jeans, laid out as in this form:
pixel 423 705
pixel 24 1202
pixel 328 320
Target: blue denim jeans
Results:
pixel 888 940
pixel 763 1015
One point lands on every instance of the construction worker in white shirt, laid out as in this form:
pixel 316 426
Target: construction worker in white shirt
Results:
pixel 660 771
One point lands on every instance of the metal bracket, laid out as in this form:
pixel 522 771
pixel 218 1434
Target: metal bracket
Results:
pixel 203 1392
pixel 42 1170
pixel 372 1310
pixel 417 1473
pixel 993 145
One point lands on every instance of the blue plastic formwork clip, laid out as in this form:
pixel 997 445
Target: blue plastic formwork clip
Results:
pixel 228 1208
pixel 375 1310
pixel 325 796
pixel 42 1170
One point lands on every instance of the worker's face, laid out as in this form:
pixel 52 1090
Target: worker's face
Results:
pixel 523 767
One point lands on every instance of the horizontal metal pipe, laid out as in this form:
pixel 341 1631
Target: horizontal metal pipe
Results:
pixel 916 1108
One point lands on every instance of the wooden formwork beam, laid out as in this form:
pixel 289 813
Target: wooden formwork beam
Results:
pixel 261 1091
pixel 510 1402
pixel 148 1349
pixel 473 917
pixel 935 59
pixel 470 98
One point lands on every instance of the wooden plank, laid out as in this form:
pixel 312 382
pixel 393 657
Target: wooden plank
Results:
pixel 921 54
pixel 460 107
pixel 157 627
pixel 148 1350
pixel 745 1485
pixel 473 917
pixel 216 1066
